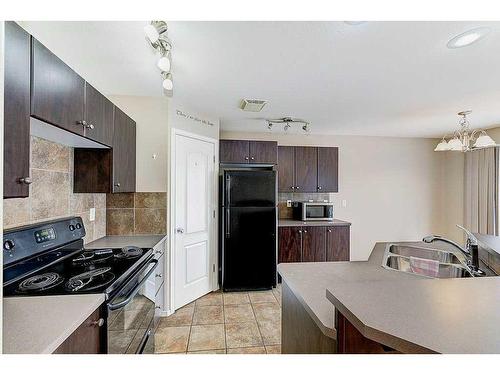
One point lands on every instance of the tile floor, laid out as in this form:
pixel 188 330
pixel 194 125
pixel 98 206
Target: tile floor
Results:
pixel 224 323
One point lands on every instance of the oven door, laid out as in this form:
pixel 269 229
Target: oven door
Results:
pixel 131 315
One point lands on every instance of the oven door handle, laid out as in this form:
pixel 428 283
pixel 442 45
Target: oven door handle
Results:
pixel 116 306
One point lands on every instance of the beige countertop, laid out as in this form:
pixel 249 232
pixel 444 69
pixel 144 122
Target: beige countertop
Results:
pixel 38 325
pixel 146 241
pixel 298 223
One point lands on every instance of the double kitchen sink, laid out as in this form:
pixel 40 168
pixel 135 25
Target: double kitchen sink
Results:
pixel 443 264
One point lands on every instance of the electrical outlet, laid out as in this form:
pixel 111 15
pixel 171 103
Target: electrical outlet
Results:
pixel 92 214
pixel 289 203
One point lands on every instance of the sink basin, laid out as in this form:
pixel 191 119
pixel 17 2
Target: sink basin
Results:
pixel 441 256
pixel 451 265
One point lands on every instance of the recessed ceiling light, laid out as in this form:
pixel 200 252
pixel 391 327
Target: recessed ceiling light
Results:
pixel 468 37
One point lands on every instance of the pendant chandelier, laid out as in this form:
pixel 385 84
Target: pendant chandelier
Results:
pixel 465 139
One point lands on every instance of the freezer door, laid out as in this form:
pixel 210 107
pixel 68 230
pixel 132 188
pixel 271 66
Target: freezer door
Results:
pixel 249 252
pixel 250 188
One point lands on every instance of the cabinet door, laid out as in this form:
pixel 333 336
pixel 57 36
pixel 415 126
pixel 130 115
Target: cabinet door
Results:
pixel 263 152
pixel 16 111
pixel 313 244
pixel 328 169
pixel 98 115
pixel 123 153
pixel 306 169
pixel 337 243
pixel 57 92
pixel 233 151
pixel 88 338
pixel 286 169
pixel 289 244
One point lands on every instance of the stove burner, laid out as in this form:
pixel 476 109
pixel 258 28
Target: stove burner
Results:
pixel 90 280
pixel 130 252
pixel 40 282
pixel 88 258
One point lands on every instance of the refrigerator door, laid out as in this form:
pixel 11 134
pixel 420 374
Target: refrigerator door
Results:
pixel 249 189
pixel 249 253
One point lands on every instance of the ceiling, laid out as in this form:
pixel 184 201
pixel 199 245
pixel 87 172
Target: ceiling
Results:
pixel 377 78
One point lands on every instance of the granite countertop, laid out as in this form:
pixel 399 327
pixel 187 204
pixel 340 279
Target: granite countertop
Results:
pixel 38 325
pixel 146 241
pixel 299 223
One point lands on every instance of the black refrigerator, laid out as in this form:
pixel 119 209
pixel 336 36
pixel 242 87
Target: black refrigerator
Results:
pixel 248 230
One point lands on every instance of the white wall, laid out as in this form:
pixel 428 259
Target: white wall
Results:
pixel 151 116
pixel 190 120
pixel 392 185
pixel 2 24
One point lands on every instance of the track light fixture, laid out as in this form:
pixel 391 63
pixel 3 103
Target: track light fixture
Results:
pixel 288 122
pixel 156 35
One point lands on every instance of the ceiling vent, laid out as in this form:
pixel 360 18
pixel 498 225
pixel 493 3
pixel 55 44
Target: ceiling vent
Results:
pixel 252 105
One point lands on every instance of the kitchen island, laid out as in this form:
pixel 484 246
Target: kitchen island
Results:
pixel 378 308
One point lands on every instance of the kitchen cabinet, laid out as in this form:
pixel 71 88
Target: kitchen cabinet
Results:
pixel 337 243
pixel 306 170
pixel 99 113
pixel 313 243
pixel 88 338
pixel 17 46
pixel 57 92
pixel 328 169
pixel 124 150
pixel 248 152
pixel 286 169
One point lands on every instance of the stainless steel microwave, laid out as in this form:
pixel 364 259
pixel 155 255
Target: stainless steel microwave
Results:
pixel 311 211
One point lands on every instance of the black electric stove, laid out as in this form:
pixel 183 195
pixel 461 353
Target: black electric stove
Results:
pixel 49 259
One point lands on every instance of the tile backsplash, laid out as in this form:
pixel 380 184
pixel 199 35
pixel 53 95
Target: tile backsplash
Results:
pixel 285 212
pixel 51 193
pixel 136 213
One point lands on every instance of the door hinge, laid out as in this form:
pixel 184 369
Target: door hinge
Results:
pixel 214 159
pixel 213 267
pixel 213 214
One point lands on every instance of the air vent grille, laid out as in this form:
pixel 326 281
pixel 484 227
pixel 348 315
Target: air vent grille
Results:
pixel 253 105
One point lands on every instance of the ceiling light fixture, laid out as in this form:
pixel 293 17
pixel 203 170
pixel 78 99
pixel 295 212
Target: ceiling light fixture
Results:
pixel 156 34
pixel 354 23
pixel 469 37
pixel 288 122
pixel 465 139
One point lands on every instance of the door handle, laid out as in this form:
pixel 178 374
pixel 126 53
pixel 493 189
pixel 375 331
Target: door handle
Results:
pixel 180 230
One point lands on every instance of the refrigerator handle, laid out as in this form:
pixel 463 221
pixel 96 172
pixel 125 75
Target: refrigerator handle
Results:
pixel 228 191
pixel 228 223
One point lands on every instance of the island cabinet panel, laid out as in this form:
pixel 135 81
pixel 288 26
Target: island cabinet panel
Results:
pixel 286 169
pixel 306 170
pixel 289 244
pixel 88 338
pixel 313 244
pixel 234 151
pixel 16 111
pixel 328 169
pixel 99 113
pixel 124 150
pixel 337 243
pixel 263 152
pixel 57 92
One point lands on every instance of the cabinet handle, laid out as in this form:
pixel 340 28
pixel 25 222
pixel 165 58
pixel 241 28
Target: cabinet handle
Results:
pixel 90 126
pixel 292 187
pixel 25 180
pixel 246 157
pixel 320 187
pixel 300 231
pixel 252 158
pixel 159 275
pixel 159 252
pixel 98 323
pixel 329 231
pixel 296 187
pixel 158 307
pixel 305 231
pixel 117 184
pixel 82 122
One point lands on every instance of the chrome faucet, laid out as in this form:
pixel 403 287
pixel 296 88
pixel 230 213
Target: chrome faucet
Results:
pixel 470 249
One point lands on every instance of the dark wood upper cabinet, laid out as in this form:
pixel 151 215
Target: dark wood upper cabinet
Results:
pixel 313 244
pixel 263 152
pixel 306 169
pixel 124 150
pixel 328 169
pixel 88 338
pixel 286 169
pixel 98 116
pixel 337 243
pixel 289 244
pixel 234 151
pixel 16 112
pixel 57 92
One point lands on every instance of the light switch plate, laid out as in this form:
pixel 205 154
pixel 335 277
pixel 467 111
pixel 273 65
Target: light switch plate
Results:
pixel 92 214
pixel 289 203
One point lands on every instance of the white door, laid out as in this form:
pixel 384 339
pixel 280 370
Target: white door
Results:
pixel 195 200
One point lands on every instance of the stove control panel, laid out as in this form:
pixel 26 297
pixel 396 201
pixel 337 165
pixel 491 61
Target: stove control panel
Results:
pixel 27 241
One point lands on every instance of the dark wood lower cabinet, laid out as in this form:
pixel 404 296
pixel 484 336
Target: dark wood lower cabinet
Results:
pixel 313 244
pixel 289 244
pixel 88 338
pixel 337 243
